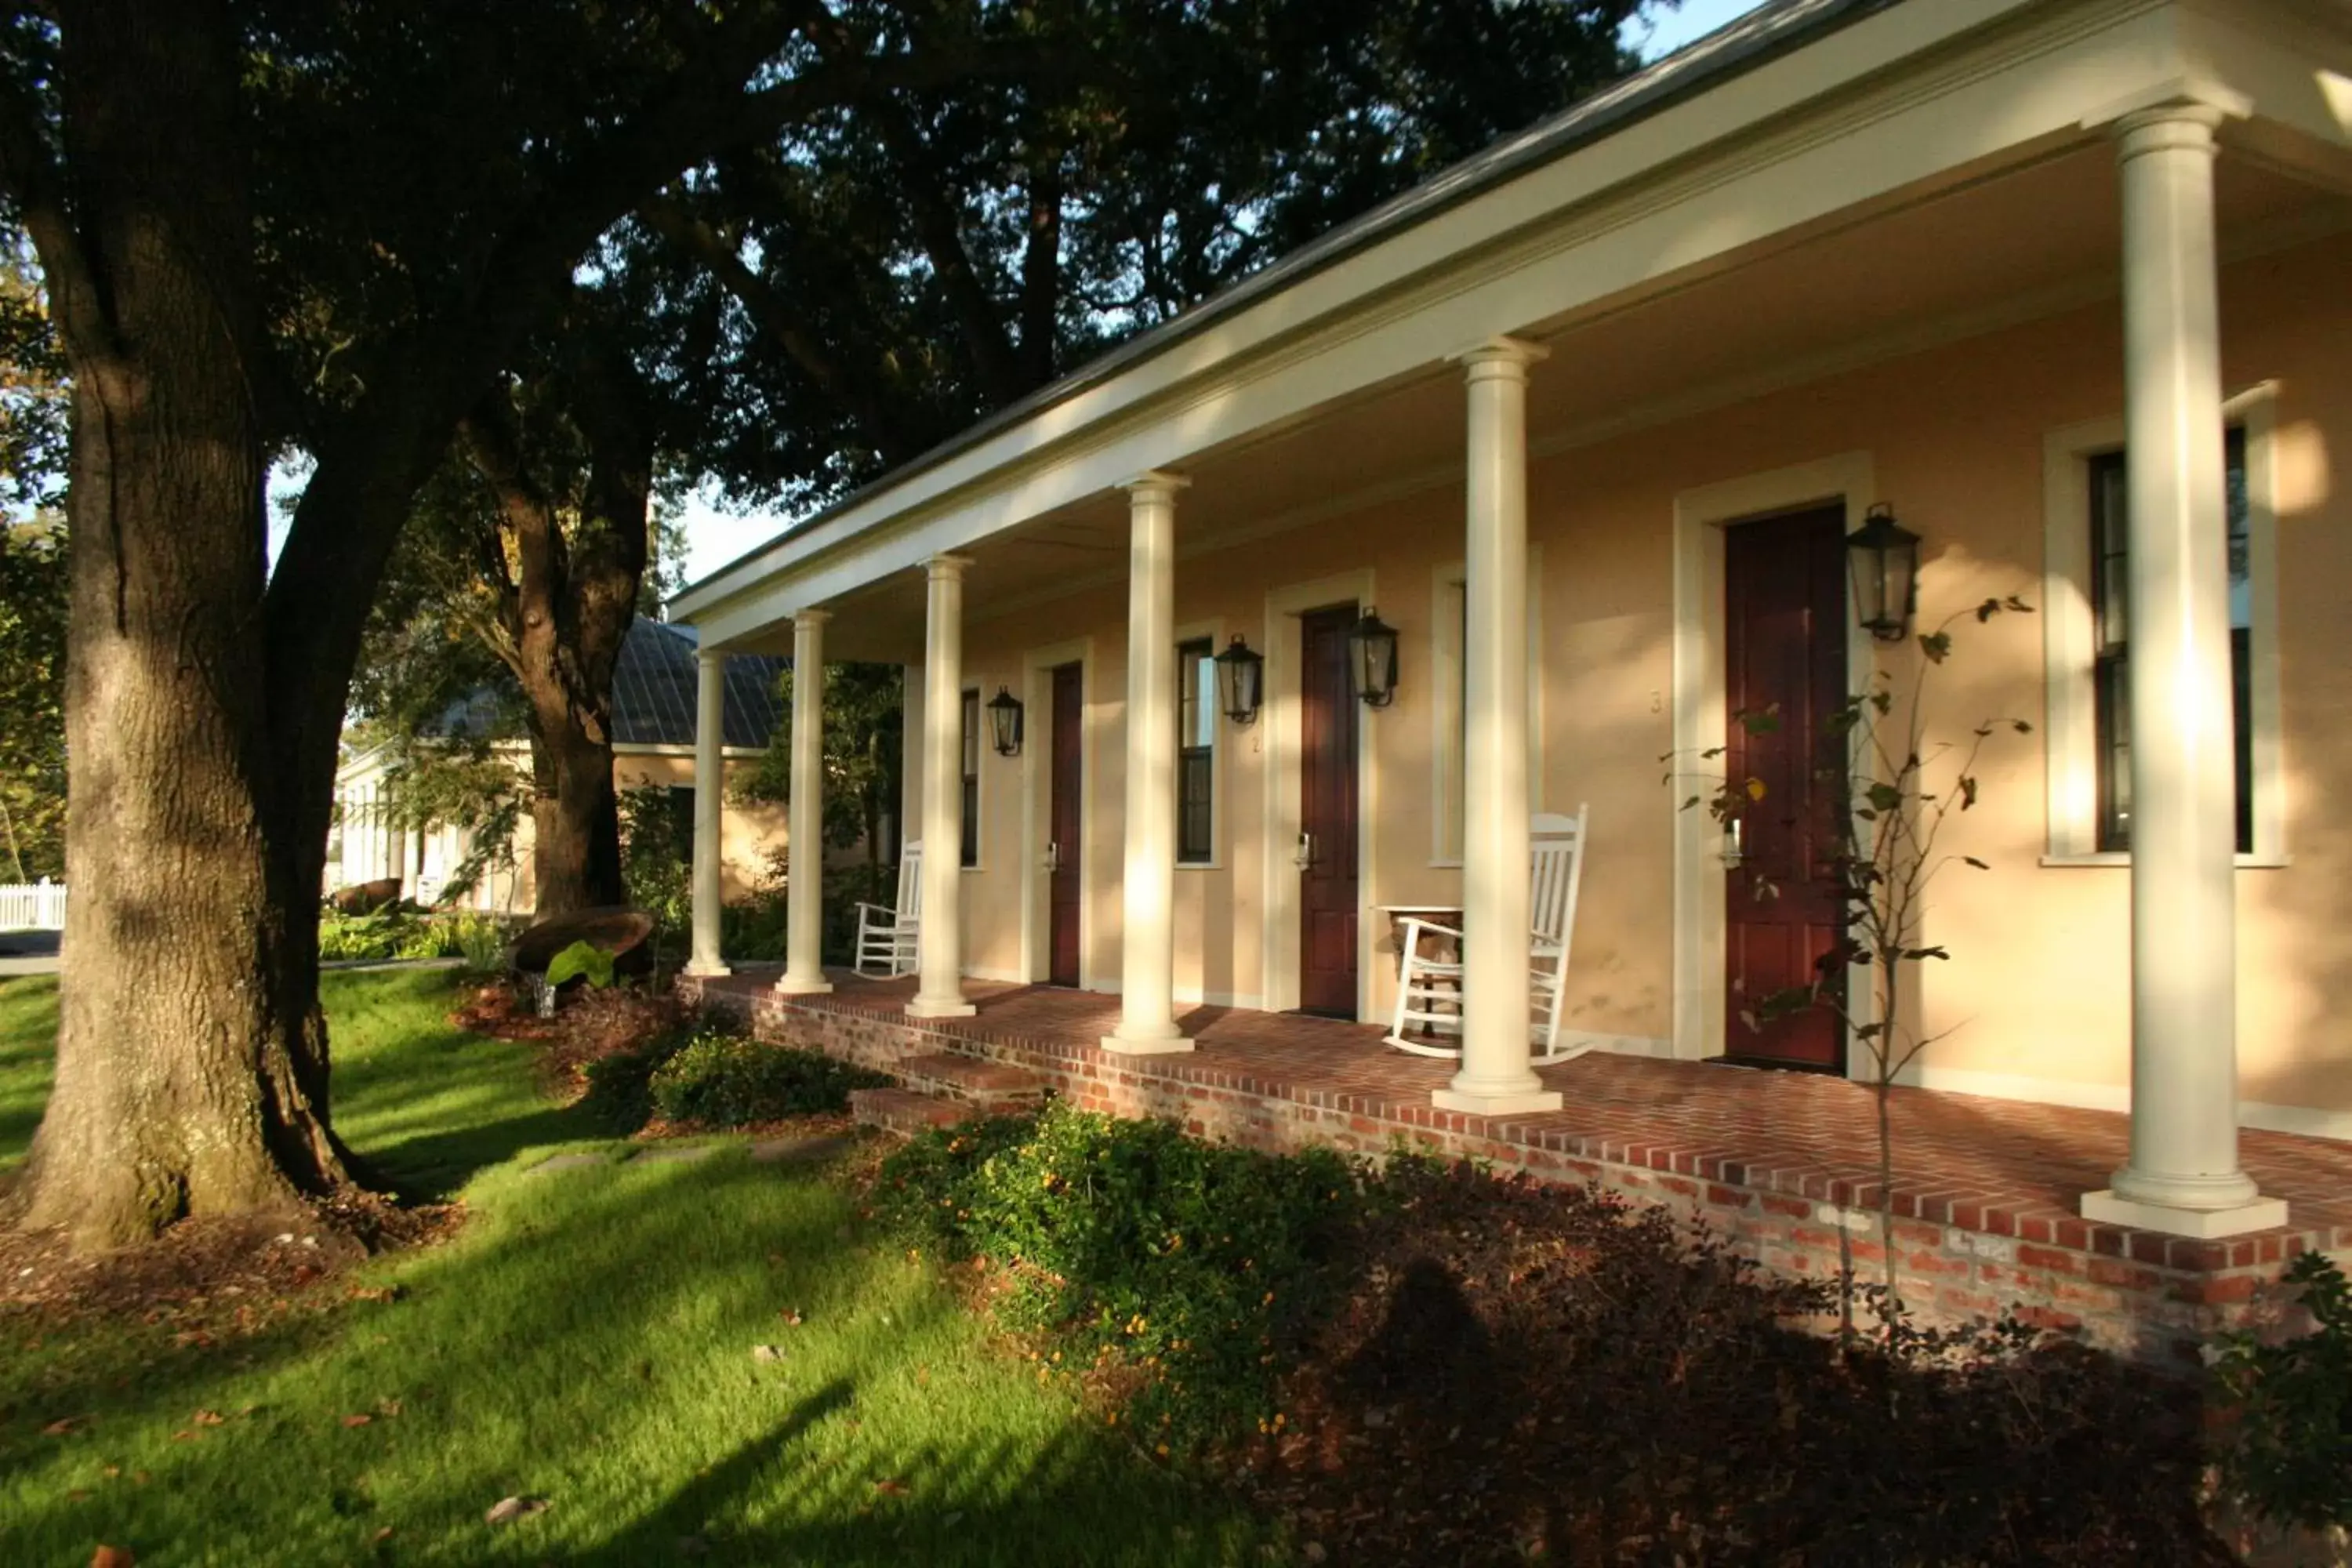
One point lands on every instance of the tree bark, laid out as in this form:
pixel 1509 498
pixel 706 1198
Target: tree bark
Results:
pixel 191 1059
pixel 569 607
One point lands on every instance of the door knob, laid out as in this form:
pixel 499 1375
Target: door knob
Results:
pixel 1733 848
pixel 1306 853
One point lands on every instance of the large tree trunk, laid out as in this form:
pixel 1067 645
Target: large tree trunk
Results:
pixel 573 597
pixel 191 1063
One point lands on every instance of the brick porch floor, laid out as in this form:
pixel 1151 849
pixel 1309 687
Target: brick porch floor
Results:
pixel 1782 1161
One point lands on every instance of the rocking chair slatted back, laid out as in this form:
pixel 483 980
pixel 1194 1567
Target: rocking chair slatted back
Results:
pixel 1556 871
pixel 889 940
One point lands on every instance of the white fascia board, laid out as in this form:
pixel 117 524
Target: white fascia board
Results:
pixel 1606 220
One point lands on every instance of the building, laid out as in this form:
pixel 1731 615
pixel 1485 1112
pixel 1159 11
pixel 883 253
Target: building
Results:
pixel 654 689
pixel 1589 419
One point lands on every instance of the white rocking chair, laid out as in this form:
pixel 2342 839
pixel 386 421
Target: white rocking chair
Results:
pixel 889 938
pixel 1429 984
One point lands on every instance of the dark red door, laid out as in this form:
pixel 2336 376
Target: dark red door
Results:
pixel 1784 623
pixel 1065 882
pixel 1326 938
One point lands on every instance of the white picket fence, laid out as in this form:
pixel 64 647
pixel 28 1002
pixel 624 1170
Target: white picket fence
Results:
pixel 40 906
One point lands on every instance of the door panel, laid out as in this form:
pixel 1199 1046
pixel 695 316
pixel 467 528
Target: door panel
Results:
pixel 1326 938
pixel 1065 882
pixel 1784 623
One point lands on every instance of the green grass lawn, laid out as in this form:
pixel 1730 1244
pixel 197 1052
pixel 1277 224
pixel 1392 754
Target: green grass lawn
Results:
pixel 586 1339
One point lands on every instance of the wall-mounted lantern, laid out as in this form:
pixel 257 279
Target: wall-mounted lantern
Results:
pixel 1373 643
pixel 1005 718
pixel 1884 557
pixel 1241 681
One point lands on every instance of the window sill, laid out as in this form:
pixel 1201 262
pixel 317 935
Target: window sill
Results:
pixel 2122 858
pixel 1454 864
pixel 1199 865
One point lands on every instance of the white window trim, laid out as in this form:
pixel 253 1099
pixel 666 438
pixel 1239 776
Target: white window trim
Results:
pixel 2071 718
pixel 1213 633
pixel 1446 770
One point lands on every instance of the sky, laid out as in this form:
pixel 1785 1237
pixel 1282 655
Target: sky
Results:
pixel 715 537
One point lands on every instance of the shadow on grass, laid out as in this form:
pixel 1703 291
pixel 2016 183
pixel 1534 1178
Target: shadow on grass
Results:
pixel 589 1340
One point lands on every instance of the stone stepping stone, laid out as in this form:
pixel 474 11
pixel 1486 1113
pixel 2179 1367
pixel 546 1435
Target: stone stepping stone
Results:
pixel 804 1146
pixel 570 1162
pixel 674 1151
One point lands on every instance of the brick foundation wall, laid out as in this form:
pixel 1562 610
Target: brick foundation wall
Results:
pixel 2151 1297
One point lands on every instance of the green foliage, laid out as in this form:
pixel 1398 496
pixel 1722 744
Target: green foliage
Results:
pixel 1197 1267
pixel 582 961
pixel 33 601
pixel 585 1336
pixel 404 932
pixel 2290 1458
pixel 721 1079
pixel 33 394
pixel 657 859
pixel 864 737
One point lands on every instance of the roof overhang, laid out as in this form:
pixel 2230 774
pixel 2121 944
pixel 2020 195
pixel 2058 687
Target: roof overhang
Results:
pixel 1818 116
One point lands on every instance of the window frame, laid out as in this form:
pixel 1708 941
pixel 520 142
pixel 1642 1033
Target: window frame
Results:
pixel 1202 648
pixel 2075 752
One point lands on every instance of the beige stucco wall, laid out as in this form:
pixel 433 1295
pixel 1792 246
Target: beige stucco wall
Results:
pixel 2035 994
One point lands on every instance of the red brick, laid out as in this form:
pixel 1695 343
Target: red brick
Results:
pixel 1729 1197
pixel 1796 1208
pixel 2056 1260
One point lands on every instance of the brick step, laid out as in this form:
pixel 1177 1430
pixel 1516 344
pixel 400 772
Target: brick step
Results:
pixel 904 1110
pixel 975 1081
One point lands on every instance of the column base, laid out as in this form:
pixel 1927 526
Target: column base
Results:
pixel 940 1007
pixel 1506 1102
pixel 697 970
pixel 1146 1045
pixel 789 985
pixel 2202 1225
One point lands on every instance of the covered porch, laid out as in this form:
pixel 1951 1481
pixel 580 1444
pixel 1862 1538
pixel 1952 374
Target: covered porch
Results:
pixel 1783 1164
pixel 1950 254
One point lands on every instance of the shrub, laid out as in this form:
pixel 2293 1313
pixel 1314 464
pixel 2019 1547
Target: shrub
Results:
pixel 2290 1456
pixel 399 932
pixel 725 1080
pixel 1196 1267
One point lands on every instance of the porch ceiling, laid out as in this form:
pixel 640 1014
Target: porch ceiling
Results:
pixel 1981 256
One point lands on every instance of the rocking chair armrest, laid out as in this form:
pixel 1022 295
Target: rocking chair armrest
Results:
pixel 878 909
pixel 1414 925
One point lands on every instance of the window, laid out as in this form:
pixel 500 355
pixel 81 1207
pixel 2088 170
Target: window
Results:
pixel 971 741
pixel 1196 752
pixel 2111 644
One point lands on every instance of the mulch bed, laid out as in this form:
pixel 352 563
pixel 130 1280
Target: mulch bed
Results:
pixel 590 1025
pixel 209 1280
pixel 1525 1371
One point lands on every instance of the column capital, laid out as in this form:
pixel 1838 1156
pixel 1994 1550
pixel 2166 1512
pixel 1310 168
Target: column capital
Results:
pixel 813 618
pixel 1498 356
pixel 2193 103
pixel 946 568
pixel 1154 484
pixel 709 657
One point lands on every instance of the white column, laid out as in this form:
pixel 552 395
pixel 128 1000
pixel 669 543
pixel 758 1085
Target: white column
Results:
pixel 804 842
pixel 1146 1018
pixel 709 785
pixel 2183 1176
pixel 940 993
pixel 1497 1077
